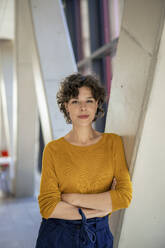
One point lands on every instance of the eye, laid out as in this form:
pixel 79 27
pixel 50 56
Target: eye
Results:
pixel 74 102
pixel 90 101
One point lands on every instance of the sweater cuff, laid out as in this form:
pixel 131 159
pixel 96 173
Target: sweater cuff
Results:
pixel 48 211
pixel 114 198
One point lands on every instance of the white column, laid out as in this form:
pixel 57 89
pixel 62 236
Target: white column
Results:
pixel 144 222
pixel 3 139
pixel 6 89
pixel 7 19
pixel 53 59
pixel 6 64
pixel 6 45
pixel 24 104
pixel 134 67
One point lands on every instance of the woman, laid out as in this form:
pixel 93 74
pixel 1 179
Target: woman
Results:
pixel 84 174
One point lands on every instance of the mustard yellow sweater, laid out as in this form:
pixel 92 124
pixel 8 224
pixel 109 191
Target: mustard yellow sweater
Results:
pixel 68 168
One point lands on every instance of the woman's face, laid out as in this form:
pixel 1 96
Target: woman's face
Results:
pixel 82 109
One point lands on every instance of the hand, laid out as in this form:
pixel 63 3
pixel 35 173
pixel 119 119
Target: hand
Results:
pixel 114 182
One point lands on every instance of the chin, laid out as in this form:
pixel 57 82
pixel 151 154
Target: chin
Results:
pixel 82 123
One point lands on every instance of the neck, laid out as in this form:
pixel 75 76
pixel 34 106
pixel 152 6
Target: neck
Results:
pixel 82 135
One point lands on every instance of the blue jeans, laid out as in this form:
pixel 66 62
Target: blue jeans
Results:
pixel 85 233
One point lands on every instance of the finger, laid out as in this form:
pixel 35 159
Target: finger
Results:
pixel 113 183
pixel 114 180
pixel 113 186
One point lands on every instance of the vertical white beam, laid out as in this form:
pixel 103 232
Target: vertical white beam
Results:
pixel 5 143
pixel 6 49
pixel 144 222
pixel 7 19
pixel 53 59
pixel 6 61
pixel 25 108
pixel 134 67
pixel 2 131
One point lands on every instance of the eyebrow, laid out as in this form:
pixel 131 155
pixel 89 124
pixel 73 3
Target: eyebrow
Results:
pixel 86 97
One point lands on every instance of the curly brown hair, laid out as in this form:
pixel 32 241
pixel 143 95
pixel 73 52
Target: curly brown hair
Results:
pixel 69 88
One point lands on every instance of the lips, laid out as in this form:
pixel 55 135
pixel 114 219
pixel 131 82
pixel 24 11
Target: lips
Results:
pixel 83 116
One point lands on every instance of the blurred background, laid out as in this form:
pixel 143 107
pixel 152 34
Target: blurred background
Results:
pixel 123 44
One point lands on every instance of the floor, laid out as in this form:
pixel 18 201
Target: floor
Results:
pixel 19 222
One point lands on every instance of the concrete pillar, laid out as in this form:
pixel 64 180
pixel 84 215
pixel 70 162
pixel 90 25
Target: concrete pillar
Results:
pixel 24 104
pixel 144 222
pixel 3 139
pixel 53 59
pixel 7 20
pixel 6 62
pixel 3 129
pixel 6 89
pixel 0 120
pixel 6 35
pixel 134 68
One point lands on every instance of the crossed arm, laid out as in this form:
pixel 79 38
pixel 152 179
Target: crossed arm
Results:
pixel 93 205
pixel 99 201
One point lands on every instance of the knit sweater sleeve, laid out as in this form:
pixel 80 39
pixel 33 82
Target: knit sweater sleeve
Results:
pixel 49 194
pixel 122 195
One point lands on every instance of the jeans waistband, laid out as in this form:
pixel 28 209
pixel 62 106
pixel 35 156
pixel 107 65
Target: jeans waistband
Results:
pixel 86 226
pixel 98 221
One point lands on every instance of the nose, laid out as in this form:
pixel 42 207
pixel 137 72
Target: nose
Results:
pixel 82 105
